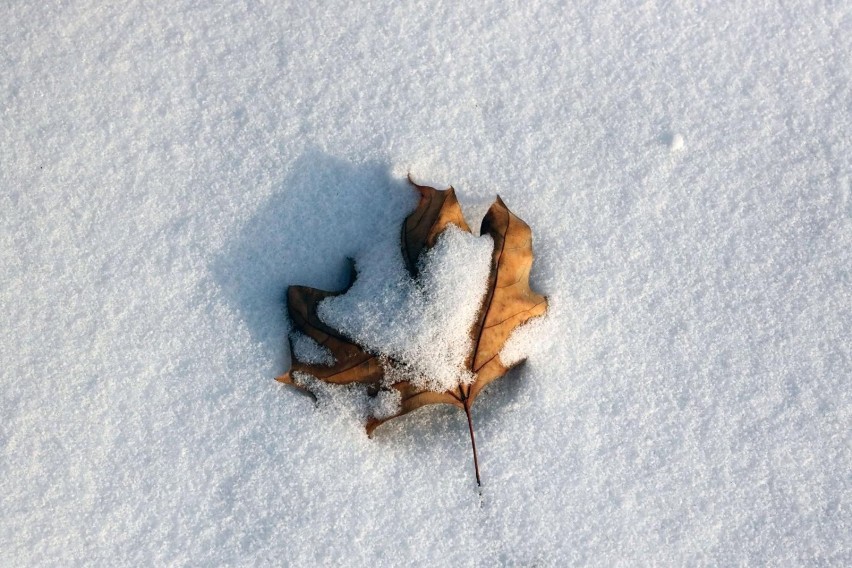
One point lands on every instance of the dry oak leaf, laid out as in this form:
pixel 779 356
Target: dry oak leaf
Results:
pixel 508 303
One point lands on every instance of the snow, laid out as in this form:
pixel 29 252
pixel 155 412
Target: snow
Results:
pixel 309 351
pixel 424 325
pixel 167 170
pixel 677 143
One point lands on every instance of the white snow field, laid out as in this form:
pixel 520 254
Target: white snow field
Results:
pixel 167 169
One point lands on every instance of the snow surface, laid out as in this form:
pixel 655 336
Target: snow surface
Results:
pixel 167 169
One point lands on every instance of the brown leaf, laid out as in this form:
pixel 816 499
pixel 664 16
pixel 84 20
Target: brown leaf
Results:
pixel 351 363
pixel 508 303
pixel 437 209
pixel 413 398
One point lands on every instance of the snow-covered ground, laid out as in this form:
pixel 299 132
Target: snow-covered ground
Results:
pixel 167 169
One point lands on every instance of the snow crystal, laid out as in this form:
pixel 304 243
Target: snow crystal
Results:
pixel 385 403
pixel 676 143
pixel 341 402
pixel 532 337
pixel 309 351
pixel 424 325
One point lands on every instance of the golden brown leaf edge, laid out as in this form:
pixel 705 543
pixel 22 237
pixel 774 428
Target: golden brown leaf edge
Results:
pixel 508 303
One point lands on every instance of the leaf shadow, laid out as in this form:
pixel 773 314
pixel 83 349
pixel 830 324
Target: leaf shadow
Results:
pixel 502 393
pixel 325 211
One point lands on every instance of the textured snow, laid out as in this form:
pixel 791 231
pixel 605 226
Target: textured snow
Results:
pixel 423 325
pixel 677 143
pixel 167 169
pixel 309 351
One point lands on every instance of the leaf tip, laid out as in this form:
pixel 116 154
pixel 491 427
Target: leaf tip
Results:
pixel 287 379
pixel 371 426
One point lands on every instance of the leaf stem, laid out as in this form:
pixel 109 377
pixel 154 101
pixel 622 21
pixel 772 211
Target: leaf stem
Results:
pixel 472 440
